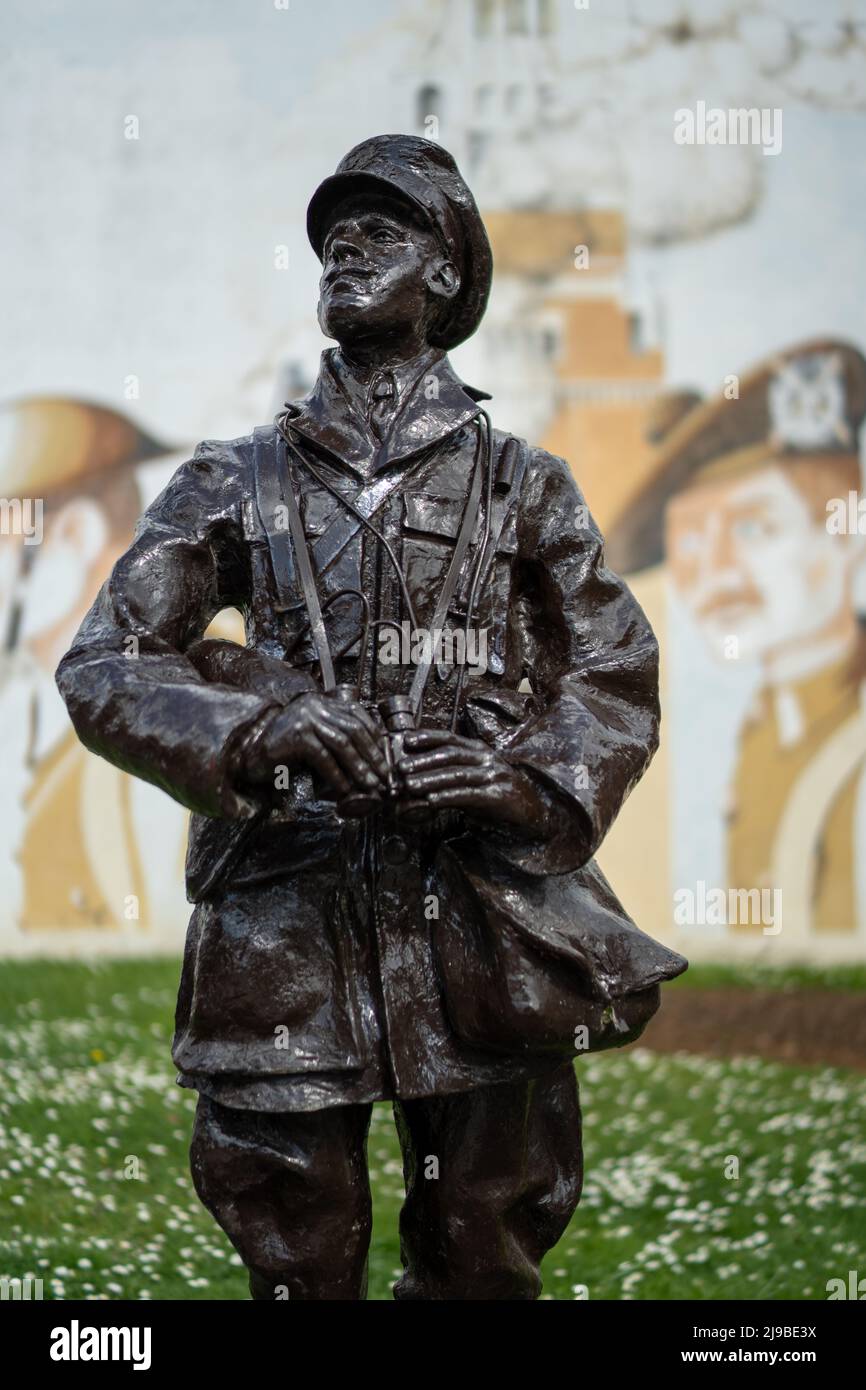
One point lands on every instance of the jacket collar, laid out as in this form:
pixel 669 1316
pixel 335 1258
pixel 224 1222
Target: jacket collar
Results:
pixel 332 415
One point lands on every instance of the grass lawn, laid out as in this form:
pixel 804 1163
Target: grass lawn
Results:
pixel 88 1085
pixel 757 975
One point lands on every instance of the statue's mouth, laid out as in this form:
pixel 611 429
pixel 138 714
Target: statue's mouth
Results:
pixel 354 274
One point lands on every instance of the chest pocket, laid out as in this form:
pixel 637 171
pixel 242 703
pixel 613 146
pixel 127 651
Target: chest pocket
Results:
pixel 287 634
pixel 431 526
pixel 433 519
pixel 318 508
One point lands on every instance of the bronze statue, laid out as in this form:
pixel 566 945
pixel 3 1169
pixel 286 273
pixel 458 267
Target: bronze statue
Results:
pixel 391 845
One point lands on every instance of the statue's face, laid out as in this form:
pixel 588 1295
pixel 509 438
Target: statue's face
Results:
pixel 382 273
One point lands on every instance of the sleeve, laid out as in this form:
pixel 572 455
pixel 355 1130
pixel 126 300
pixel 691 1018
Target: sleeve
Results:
pixel 133 694
pixel 592 662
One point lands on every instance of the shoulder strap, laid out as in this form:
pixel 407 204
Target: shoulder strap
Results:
pixel 272 508
pixel 452 578
pixel 510 470
pixel 275 497
pixel 307 577
pixel 506 473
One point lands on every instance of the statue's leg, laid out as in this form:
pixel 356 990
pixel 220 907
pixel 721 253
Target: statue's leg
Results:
pixel 291 1191
pixel 492 1178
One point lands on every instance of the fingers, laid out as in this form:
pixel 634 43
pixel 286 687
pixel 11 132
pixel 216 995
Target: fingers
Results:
pixel 333 742
pixel 442 758
pixel 322 763
pixel 448 778
pixel 364 736
pixel 417 739
pixel 351 762
pixel 350 726
pixel 431 749
pixel 344 745
pixel 355 711
pixel 461 798
pixel 366 717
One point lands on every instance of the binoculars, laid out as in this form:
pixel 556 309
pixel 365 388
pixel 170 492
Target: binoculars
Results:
pixel 398 718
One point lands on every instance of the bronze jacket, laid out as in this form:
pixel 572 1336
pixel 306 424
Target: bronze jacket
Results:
pixel 331 961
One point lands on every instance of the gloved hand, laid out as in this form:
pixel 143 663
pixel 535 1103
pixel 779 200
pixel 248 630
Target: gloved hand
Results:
pixel 338 742
pixel 444 771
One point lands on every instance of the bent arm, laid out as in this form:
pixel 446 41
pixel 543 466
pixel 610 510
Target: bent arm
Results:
pixel 132 692
pixel 593 666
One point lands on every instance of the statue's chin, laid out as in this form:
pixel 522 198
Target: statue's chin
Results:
pixel 351 317
pixel 344 321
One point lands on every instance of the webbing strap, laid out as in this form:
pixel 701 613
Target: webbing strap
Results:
pixel 452 578
pixel 305 569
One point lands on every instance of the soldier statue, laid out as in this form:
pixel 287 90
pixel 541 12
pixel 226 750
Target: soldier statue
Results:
pixel 391 846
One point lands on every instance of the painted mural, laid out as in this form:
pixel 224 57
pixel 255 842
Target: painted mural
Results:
pixel 675 203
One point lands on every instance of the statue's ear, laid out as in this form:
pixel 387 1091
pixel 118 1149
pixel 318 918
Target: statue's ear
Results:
pixel 442 278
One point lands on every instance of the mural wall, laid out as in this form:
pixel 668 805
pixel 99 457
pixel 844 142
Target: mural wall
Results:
pixel 675 197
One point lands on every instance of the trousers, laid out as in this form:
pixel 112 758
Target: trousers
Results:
pixel 492 1178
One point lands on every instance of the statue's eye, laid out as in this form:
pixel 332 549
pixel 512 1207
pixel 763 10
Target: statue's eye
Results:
pixel 382 234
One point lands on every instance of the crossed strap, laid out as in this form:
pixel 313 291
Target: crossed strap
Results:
pixel 272 497
pixel 292 554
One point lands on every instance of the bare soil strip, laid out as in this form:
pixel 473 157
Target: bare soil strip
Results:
pixel 798 1025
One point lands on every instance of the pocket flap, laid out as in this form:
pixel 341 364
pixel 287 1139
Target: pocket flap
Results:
pixel 436 516
pixel 442 516
pixel 317 509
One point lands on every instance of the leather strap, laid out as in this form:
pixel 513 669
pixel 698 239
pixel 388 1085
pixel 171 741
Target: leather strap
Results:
pixel 275 489
pixel 513 457
pixel 270 504
pixel 327 547
pixel 305 570
pixel 452 578
pixel 344 527
pixel 368 501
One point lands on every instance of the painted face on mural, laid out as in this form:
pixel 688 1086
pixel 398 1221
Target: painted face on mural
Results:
pixel 753 562
pixel 46 588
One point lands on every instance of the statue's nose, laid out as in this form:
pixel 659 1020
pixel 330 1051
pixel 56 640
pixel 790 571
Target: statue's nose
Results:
pixel 343 247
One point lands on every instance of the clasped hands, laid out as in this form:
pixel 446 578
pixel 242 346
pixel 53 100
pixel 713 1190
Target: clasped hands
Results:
pixel 343 746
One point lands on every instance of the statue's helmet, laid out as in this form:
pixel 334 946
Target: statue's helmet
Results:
pixel 425 175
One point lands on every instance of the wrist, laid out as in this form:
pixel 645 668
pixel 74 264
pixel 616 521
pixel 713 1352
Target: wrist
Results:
pixel 257 757
pixel 540 810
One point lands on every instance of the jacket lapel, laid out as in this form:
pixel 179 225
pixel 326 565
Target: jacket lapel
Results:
pixel 329 419
pixel 438 404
